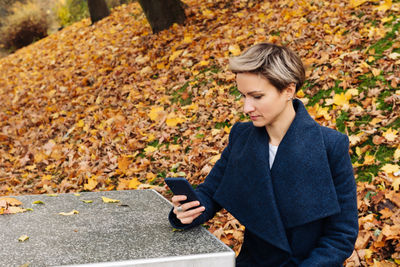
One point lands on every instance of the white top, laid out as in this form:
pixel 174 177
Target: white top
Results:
pixel 272 153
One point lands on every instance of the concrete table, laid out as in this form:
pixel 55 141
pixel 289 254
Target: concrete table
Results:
pixel 133 232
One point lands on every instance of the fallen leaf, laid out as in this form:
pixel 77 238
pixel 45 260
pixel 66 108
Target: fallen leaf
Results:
pixel 91 183
pixel 11 201
pixel 23 238
pixel 109 200
pixel 390 134
pixel 13 210
pixel 72 212
pixel 390 168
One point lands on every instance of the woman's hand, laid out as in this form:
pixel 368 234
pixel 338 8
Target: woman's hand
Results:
pixel 185 215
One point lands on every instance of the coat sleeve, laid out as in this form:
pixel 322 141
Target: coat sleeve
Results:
pixel 206 190
pixel 340 230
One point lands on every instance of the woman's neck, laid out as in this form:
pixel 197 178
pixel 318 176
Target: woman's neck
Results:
pixel 278 128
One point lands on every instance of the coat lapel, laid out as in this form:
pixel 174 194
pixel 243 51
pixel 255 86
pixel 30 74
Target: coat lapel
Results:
pixel 247 192
pixel 301 173
pixel 297 190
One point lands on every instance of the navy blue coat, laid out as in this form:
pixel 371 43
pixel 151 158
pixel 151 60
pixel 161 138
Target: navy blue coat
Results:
pixel 300 212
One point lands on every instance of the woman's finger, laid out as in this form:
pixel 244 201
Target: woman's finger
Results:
pixel 177 199
pixel 190 205
pixel 188 220
pixel 190 213
pixel 184 207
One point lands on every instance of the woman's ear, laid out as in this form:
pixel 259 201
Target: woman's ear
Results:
pixel 290 90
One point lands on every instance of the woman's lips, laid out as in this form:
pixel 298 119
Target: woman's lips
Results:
pixel 254 117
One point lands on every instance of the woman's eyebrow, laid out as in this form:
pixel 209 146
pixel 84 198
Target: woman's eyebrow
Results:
pixel 251 92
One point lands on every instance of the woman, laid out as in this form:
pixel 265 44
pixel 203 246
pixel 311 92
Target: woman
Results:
pixel 287 179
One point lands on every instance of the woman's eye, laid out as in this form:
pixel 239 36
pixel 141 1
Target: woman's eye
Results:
pixel 258 96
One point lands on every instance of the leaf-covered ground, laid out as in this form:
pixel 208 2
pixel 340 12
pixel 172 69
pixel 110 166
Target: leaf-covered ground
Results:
pixel 112 106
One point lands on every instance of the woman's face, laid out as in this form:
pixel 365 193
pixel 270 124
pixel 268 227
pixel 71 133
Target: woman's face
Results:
pixel 262 101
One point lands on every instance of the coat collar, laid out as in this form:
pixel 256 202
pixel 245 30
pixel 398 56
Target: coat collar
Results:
pixel 297 190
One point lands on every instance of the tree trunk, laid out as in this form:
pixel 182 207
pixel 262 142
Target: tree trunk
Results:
pixel 161 14
pixel 98 9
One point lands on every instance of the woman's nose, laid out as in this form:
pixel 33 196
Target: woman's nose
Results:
pixel 248 107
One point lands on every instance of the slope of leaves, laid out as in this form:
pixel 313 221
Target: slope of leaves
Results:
pixel 112 106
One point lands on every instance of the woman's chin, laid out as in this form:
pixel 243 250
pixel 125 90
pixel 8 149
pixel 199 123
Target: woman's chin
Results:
pixel 258 123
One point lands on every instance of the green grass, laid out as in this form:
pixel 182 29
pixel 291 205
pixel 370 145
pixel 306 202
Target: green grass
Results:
pixel 340 121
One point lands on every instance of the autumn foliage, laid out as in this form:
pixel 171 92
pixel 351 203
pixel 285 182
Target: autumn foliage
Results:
pixel 27 23
pixel 112 106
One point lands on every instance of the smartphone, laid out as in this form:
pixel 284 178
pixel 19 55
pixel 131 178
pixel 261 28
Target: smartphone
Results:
pixel 180 186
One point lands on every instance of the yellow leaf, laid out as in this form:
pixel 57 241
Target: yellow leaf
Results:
pixel 175 55
pixel 150 177
pixel 227 129
pixel 80 124
pixel 387 4
pixel 150 137
pixel 134 183
pixel 390 134
pixel 396 184
pixel 397 154
pixel 72 212
pixel 369 159
pixel 174 147
pixel 375 121
pixel 40 156
pixel 150 149
pixel 364 64
pixel 38 202
pixel 109 200
pixel 323 112
pixel 376 72
pixel 390 168
pixel 387 19
pixel 154 114
pixel 91 183
pixel 160 66
pixel 358 151
pixel 208 13
pixel 23 238
pixel 87 201
pixel 46 177
pixel 234 49
pixel 341 99
pixel 173 120
pixel 77 194
pixel 300 94
pixel 368 253
pixel 192 107
pixel 204 63
pixel 52 195
pixel 123 163
pixel 214 159
pixel 356 3
pixel 352 92
pixel 188 39
pixel 122 184
pixel 146 70
pixel 354 139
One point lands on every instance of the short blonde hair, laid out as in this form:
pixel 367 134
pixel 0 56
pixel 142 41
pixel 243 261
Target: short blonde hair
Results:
pixel 280 65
